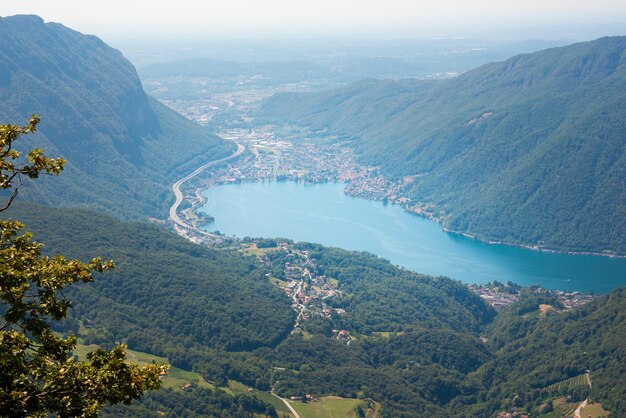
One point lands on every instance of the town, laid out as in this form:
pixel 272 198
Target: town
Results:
pixel 308 160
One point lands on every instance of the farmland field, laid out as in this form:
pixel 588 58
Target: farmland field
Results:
pixel 175 377
pixel 594 410
pixel 279 405
pixel 561 408
pixel 328 407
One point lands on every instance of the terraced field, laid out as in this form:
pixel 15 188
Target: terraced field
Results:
pixel 579 380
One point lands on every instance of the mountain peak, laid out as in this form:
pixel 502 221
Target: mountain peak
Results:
pixel 26 18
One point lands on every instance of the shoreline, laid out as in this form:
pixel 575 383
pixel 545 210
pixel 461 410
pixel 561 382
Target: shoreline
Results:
pixel 198 192
pixel 511 244
pixel 532 247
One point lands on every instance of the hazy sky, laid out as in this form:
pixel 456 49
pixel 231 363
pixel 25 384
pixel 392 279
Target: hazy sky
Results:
pixel 391 17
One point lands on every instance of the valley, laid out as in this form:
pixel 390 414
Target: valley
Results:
pixel 289 144
pixel 480 147
pixel 275 244
pixel 387 226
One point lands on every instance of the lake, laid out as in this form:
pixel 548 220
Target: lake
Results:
pixel 322 213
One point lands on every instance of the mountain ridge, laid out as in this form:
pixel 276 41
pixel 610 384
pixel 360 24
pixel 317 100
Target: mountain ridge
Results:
pixel 489 146
pixel 122 146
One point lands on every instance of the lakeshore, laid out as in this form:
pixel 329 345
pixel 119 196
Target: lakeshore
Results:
pixel 298 157
pixel 322 213
pixel 273 160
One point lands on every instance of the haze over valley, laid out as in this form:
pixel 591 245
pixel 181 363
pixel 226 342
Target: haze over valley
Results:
pixel 331 210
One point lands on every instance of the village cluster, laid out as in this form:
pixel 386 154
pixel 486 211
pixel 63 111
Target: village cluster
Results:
pixel 272 158
pixel 310 294
pixel 501 296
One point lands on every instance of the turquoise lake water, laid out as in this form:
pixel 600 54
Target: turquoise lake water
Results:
pixel 321 213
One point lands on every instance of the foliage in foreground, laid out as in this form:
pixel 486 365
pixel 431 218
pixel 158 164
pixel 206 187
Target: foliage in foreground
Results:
pixel 38 375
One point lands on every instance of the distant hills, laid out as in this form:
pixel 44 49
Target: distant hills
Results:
pixel 123 147
pixel 302 59
pixel 531 150
pixel 278 72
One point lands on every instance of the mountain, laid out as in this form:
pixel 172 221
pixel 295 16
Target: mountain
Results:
pixel 123 147
pixel 531 150
pixel 217 314
pixel 420 345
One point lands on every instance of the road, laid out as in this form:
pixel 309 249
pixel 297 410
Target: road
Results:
pixel 286 402
pixel 179 195
pixel 578 412
pixel 580 408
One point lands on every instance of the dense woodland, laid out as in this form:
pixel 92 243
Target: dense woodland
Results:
pixel 198 403
pixel 530 150
pixel 212 298
pixel 415 347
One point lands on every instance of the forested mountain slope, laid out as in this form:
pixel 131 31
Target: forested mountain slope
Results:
pixel 216 313
pixel 531 150
pixel 554 348
pixel 123 147
pixel 162 284
pixel 415 344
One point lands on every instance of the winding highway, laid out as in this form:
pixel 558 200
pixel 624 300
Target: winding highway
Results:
pixel 179 195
